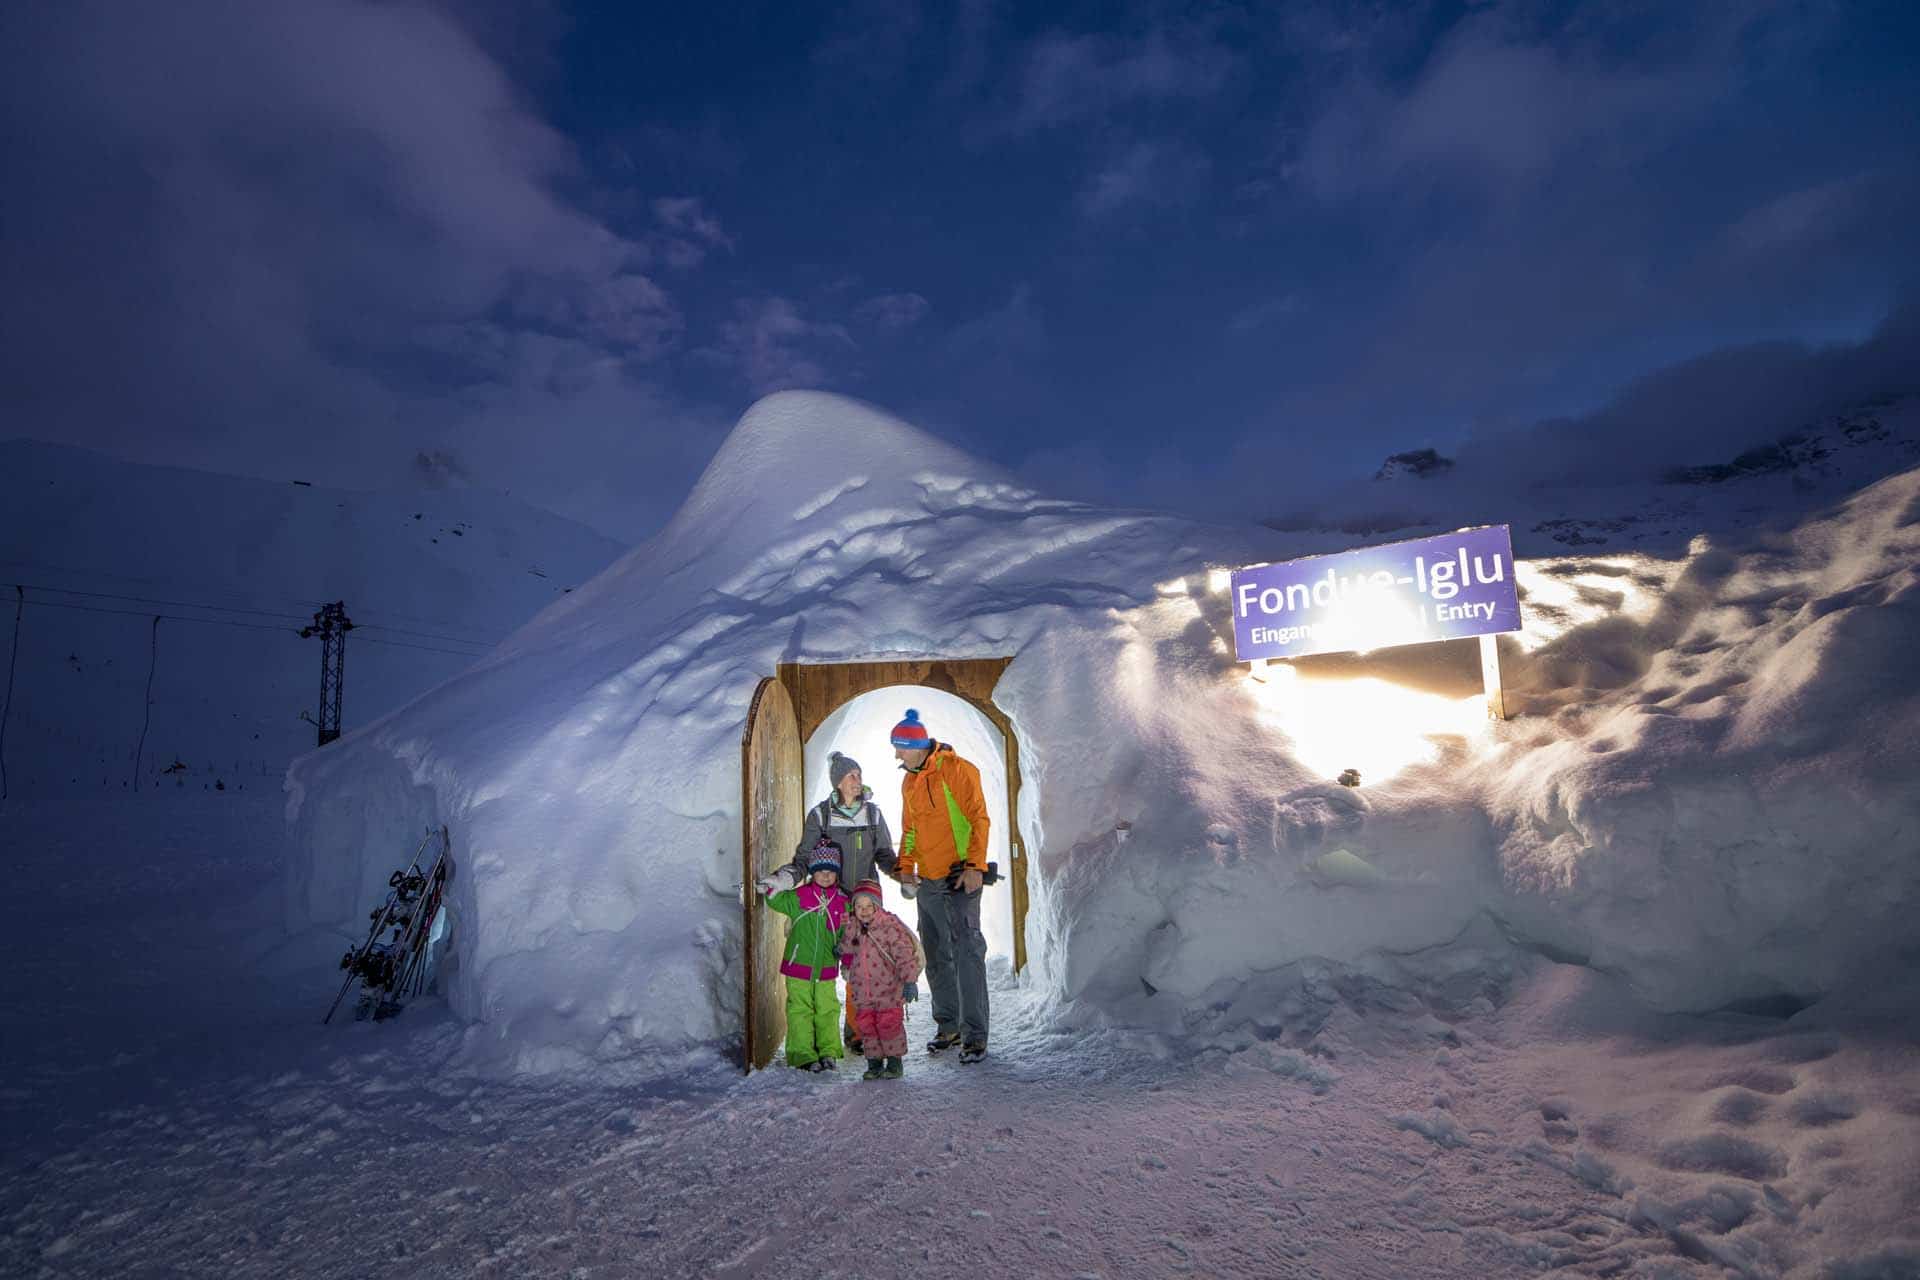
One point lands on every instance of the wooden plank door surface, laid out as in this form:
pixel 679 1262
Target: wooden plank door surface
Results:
pixel 771 816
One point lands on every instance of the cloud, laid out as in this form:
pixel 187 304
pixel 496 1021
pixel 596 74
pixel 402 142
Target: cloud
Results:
pixel 1788 222
pixel 1540 215
pixel 1145 175
pixel 1066 79
pixel 689 231
pixel 1013 331
pixel 775 348
pixel 1494 112
pixel 869 42
pixel 626 314
pixel 893 313
pixel 1711 407
pixel 258 236
pixel 1263 314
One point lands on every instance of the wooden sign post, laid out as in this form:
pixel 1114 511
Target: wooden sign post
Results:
pixel 1490 678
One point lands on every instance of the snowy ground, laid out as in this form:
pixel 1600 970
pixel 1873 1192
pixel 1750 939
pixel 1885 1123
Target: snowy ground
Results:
pixel 172 1107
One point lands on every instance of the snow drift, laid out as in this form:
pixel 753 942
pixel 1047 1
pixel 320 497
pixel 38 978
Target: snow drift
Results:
pixel 1662 807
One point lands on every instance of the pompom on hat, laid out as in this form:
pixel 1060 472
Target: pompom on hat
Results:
pixel 824 857
pixel 910 734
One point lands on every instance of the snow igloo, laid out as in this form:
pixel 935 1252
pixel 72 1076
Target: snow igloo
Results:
pixel 1179 855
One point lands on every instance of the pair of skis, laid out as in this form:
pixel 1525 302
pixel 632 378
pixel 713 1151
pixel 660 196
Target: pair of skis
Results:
pixel 391 969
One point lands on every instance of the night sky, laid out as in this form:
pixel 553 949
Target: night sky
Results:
pixel 1207 257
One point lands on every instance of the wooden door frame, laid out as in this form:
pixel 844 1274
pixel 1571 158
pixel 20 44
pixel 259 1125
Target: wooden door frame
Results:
pixel 777 833
pixel 820 689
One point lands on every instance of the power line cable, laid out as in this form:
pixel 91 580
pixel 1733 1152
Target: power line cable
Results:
pixel 426 648
pixel 248 626
pixel 177 617
pixel 184 604
pixel 308 606
pixel 152 582
pixel 424 635
pixel 146 714
pixel 363 610
pixel 224 608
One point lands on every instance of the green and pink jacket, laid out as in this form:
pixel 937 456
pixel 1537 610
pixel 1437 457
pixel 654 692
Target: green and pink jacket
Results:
pixel 817 915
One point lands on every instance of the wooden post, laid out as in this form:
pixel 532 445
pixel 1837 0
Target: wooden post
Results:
pixel 1257 668
pixel 1490 677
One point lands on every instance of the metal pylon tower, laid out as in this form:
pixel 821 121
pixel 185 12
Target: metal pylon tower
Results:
pixel 331 624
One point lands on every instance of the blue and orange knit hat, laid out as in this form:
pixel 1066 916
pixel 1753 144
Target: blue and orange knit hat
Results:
pixel 824 857
pixel 910 734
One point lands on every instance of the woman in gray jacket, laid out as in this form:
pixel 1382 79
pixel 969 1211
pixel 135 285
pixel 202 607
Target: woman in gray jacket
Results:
pixel 849 818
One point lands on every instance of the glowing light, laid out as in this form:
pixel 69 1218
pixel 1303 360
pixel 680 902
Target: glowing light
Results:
pixel 1373 620
pixel 1367 724
pixel 1571 592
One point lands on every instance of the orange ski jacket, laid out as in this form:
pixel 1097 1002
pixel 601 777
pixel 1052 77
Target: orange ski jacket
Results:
pixel 943 817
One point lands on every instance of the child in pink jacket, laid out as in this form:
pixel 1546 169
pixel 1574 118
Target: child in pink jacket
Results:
pixel 878 955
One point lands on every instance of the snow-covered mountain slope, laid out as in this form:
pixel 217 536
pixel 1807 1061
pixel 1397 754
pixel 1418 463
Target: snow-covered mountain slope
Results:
pixel 1774 484
pixel 93 549
pixel 1667 805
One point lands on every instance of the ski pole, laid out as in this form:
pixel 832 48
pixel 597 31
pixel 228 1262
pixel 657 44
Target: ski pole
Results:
pixel 352 966
pixel 394 899
pixel 419 933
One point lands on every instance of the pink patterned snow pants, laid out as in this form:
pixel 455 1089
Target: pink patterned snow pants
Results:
pixel 883 1032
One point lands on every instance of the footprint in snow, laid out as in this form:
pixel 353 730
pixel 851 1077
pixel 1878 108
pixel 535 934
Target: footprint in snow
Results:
pixel 1759 1079
pixel 1723 1153
pixel 1739 1107
pixel 1813 1047
pixel 1820 1110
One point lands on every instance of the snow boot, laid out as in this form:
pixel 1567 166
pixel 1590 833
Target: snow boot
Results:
pixel 973 1053
pixel 829 1064
pixel 943 1041
pixel 894 1069
pixel 876 1068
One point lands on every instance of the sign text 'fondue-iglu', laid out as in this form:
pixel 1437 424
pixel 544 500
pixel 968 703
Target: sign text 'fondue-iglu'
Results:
pixel 1445 587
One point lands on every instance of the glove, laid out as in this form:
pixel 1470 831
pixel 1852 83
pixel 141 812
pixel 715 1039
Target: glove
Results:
pixel 777 882
pixel 957 878
pixel 909 886
pixel 886 860
pixel 909 992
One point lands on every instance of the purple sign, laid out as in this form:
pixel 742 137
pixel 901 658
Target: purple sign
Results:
pixel 1445 587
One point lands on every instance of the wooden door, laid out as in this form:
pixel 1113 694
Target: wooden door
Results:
pixel 771 816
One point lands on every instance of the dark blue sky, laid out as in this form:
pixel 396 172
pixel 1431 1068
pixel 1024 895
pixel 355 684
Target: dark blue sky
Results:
pixel 1213 257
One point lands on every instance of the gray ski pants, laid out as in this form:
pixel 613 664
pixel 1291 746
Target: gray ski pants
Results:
pixel 956 959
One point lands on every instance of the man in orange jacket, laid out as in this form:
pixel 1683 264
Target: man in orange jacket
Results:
pixel 943 851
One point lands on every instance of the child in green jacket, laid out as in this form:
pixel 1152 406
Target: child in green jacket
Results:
pixel 810 961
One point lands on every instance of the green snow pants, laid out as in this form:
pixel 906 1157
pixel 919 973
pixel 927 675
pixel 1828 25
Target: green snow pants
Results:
pixel 813 1020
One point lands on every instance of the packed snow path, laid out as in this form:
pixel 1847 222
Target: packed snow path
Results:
pixel 172 1107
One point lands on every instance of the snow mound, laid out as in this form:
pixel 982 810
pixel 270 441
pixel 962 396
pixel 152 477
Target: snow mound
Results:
pixel 1721 805
pixel 1664 807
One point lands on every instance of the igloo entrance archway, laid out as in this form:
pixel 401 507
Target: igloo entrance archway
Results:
pixel 787 712
pixel 860 728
